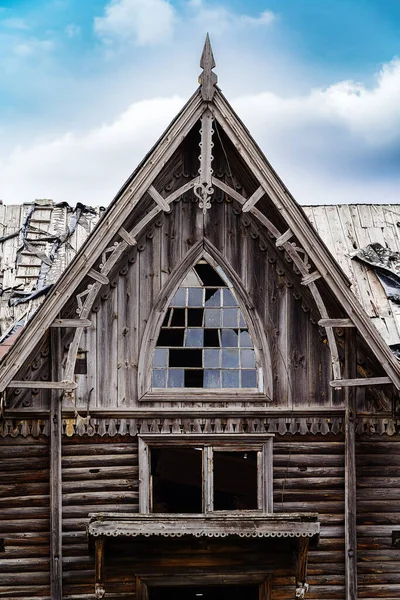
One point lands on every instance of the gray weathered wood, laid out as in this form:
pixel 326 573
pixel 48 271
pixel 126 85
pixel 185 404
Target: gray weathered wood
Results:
pixel 98 277
pixel 336 323
pixel 71 323
pixel 208 79
pixel 360 382
pixel 162 203
pixel 285 237
pixel 127 237
pixel 310 278
pixel 254 198
pixel 55 474
pixel 350 469
pixel 43 385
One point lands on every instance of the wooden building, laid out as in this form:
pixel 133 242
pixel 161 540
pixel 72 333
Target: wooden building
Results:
pixel 201 406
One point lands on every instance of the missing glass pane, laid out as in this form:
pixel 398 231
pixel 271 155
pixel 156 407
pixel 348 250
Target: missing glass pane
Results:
pixel 176 489
pixel 178 317
pixel 170 337
pixel 194 378
pixel 208 276
pixel 235 480
pixel 185 358
pixel 200 321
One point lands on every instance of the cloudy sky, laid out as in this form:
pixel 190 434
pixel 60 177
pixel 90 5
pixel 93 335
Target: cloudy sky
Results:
pixel 87 86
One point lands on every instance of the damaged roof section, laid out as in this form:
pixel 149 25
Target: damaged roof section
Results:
pixel 37 242
pixel 365 240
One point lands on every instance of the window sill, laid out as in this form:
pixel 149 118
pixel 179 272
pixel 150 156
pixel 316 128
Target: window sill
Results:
pixel 203 395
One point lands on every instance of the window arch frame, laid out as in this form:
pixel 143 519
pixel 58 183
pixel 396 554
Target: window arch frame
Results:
pixel 203 250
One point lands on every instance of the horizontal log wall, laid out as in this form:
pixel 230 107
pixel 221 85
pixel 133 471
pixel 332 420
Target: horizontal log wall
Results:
pixel 309 477
pixel 98 474
pixel 24 518
pixel 378 514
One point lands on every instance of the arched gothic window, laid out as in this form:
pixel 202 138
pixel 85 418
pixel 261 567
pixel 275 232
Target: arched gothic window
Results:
pixel 204 340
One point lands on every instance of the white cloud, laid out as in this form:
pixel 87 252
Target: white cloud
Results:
pixel 372 114
pixel 32 46
pixel 14 23
pixel 145 22
pixel 216 18
pixel 329 145
pixel 88 167
pixel 72 30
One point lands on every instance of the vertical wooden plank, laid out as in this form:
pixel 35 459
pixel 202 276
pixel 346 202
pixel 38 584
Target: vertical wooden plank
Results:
pixel 55 473
pixel 208 483
pixel 99 567
pixel 144 477
pixel 268 492
pixel 350 469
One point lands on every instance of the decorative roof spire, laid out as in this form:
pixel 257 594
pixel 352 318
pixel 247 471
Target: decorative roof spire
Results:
pixel 207 78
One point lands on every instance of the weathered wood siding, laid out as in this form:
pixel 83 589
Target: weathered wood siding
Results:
pixel 99 474
pixel 309 477
pixel 378 514
pixel 24 518
pixel 298 347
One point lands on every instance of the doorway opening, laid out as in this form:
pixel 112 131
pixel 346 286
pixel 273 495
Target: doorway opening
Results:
pixel 208 592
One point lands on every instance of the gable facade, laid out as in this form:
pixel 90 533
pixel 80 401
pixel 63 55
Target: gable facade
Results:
pixel 91 423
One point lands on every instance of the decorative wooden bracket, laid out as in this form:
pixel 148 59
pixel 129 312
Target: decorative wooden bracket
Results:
pixel 204 190
pixel 301 571
pixel 207 79
pixel 99 590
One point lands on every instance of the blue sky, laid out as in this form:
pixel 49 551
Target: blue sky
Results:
pixel 86 87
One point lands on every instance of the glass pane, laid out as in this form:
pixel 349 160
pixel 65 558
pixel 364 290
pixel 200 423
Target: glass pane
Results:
pixel 195 297
pixel 212 317
pixel 229 338
pixel 159 378
pixel 211 358
pixel 175 378
pixel 235 480
pixel 212 378
pixel 230 379
pixel 245 339
pixel 213 297
pixel 242 322
pixel 229 317
pixel 230 358
pixel 229 299
pixel 194 338
pixel 160 358
pixel 249 379
pixel 248 358
pixel 179 298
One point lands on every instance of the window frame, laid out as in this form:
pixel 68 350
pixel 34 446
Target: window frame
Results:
pixel 146 392
pixel 210 443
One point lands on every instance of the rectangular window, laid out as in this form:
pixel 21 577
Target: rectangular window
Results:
pixel 205 473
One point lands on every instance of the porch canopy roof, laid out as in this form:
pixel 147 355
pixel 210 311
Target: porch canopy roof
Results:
pixel 242 524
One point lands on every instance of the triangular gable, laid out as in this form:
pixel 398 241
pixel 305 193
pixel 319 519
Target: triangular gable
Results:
pixel 291 231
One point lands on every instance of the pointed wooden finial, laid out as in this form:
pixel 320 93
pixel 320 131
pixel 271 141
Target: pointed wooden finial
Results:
pixel 207 78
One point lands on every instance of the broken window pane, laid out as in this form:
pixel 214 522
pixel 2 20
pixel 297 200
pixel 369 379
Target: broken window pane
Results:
pixel 235 480
pixel 176 490
pixel 203 317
